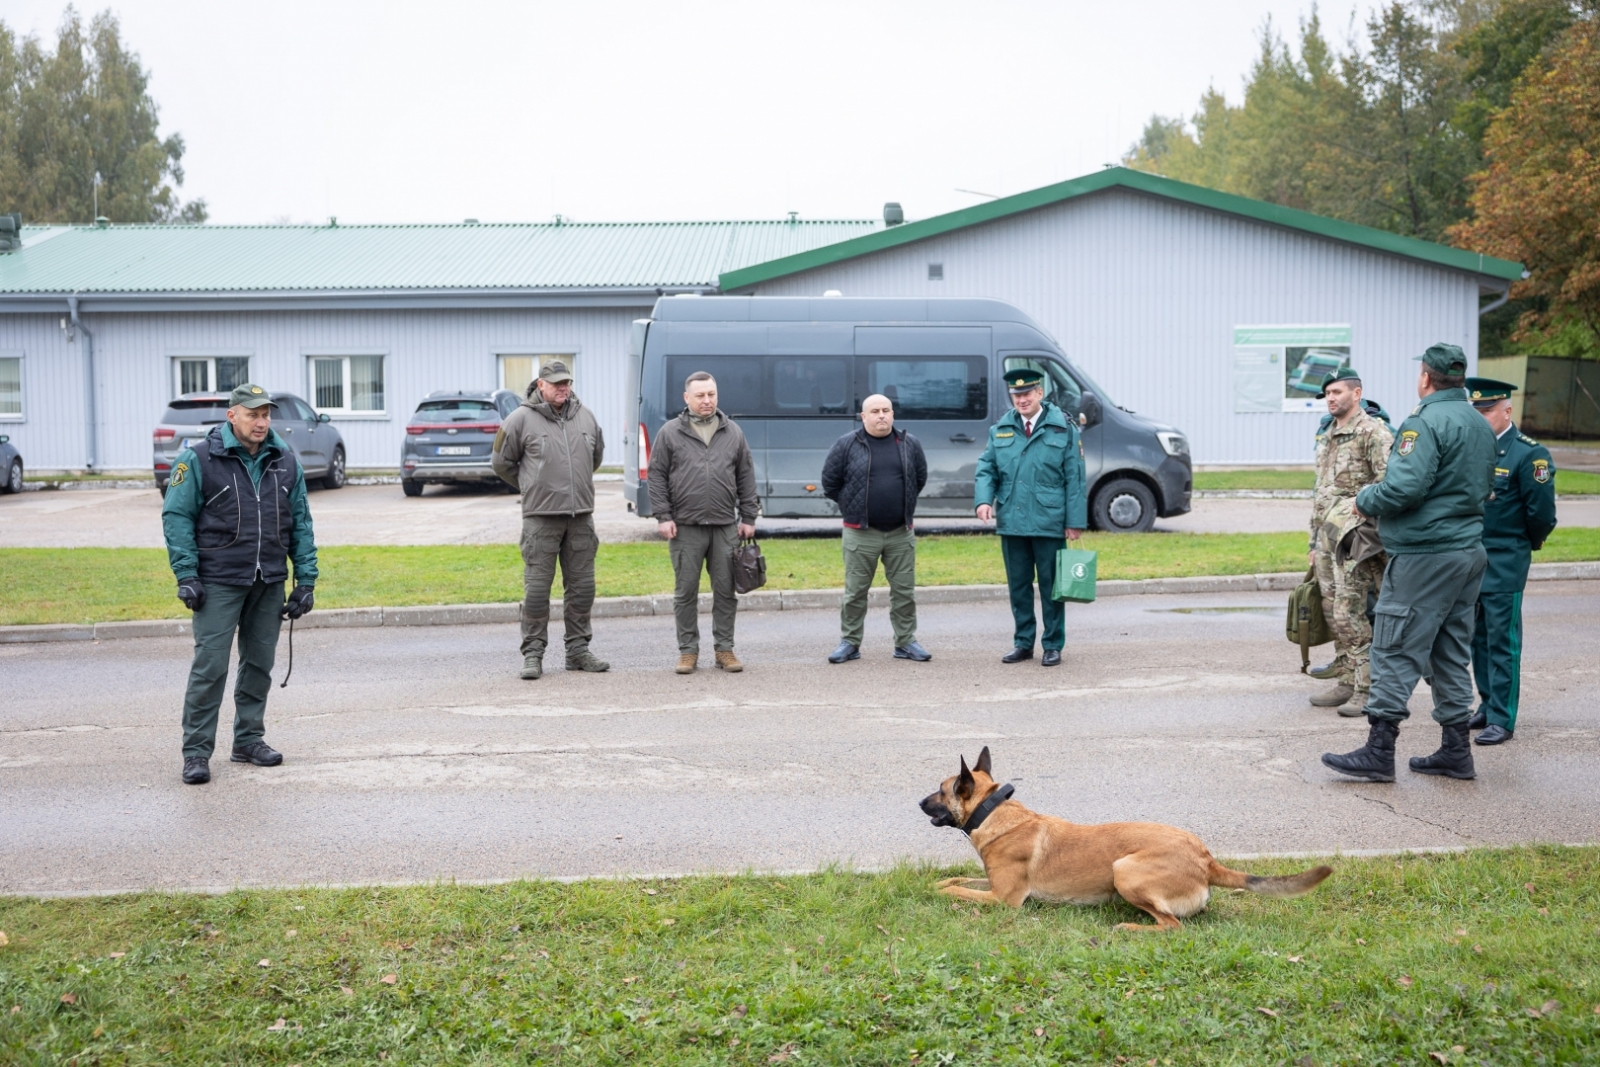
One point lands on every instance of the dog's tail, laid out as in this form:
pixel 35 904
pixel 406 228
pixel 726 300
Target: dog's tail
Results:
pixel 1284 885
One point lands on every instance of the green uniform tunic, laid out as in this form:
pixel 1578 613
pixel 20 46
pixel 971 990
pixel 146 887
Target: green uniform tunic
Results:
pixel 1429 508
pixel 1035 483
pixel 1516 521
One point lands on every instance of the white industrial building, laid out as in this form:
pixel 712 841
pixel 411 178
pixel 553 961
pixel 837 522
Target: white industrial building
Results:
pixel 1198 308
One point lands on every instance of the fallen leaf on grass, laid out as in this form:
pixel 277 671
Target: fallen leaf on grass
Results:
pixel 1404 980
pixel 1361 941
pixel 1439 1056
pixel 1461 933
pixel 740 1010
pixel 98 1031
pixel 1544 911
pixel 543 954
pixel 291 933
pixel 1296 959
pixel 264 963
pixel 1458 1049
pixel 1268 1011
pixel 117 955
pixel 1528 886
pixel 1478 949
pixel 69 998
pixel 668 922
pixel 4 940
pixel 1549 1007
pixel 632 978
pixel 16 1009
pixel 281 1024
pixel 389 979
pixel 1038 1031
pixel 782 1054
pixel 649 892
pixel 347 991
pixel 883 931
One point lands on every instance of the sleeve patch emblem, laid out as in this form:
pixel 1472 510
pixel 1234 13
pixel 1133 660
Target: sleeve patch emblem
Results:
pixel 1408 441
pixel 179 472
pixel 1541 471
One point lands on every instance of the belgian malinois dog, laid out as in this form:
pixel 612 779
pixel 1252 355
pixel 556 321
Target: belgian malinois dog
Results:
pixel 1161 870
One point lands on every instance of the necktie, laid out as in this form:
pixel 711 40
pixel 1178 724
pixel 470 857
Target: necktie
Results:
pixel 1027 428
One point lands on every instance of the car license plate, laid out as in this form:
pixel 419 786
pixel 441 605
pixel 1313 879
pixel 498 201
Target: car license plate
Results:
pixel 455 450
pixel 190 442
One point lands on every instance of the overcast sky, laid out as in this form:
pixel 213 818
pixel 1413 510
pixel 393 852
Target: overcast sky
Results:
pixel 404 112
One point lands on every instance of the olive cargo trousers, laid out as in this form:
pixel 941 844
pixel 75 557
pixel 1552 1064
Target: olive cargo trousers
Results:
pixel 545 540
pixel 863 549
pixel 1423 625
pixel 251 611
pixel 711 547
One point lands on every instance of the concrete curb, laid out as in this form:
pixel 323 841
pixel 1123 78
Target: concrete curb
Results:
pixel 762 600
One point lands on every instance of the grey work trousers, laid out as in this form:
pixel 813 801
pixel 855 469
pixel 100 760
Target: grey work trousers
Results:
pixel 251 611
pixel 1423 626
pixel 863 549
pixel 711 547
pixel 571 540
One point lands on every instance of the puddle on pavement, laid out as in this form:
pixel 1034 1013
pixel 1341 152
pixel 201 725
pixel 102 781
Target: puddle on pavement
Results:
pixel 1216 611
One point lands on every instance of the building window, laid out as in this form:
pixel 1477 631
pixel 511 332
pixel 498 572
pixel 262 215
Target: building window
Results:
pixel 936 272
pixel 205 374
pixel 348 385
pixel 11 388
pixel 517 369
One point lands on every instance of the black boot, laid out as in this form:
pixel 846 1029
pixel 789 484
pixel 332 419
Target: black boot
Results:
pixel 1454 757
pixel 1373 761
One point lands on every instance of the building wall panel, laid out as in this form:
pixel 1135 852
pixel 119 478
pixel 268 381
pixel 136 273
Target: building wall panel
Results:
pixel 1144 293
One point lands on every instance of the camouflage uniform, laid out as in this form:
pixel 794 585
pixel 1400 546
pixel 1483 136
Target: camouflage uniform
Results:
pixel 1348 459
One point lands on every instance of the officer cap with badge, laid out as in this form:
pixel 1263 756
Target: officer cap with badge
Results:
pixel 250 396
pixel 1487 392
pixel 1024 380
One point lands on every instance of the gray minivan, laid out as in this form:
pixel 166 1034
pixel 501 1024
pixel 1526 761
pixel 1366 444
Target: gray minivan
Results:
pixel 793 372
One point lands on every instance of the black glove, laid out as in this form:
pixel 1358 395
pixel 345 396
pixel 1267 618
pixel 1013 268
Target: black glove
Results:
pixel 192 592
pixel 299 602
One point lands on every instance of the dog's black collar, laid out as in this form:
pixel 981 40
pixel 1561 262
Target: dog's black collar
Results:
pixel 984 810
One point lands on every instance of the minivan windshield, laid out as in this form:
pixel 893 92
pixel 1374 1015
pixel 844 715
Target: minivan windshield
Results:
pixel 444 412
pixel 195 412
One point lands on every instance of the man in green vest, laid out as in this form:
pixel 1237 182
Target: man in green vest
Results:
pixel 1429 508
pixel 1031 476
pixel 1519 516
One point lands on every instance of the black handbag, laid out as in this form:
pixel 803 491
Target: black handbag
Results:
pixel 749 567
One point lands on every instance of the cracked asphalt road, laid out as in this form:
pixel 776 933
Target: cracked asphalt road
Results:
pixel 417 754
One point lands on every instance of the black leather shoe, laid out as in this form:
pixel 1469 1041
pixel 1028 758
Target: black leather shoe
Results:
pixel 1493 735
pixel 259 753
pixel 1052 658
pixel 912 650
pixel 196 770
pixel 1478 721
pixel 846 651
pixel 1454 757
pixel 1017 655
pixel 1373 761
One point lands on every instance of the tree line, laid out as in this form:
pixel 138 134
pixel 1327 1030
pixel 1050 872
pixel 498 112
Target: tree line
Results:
pixel 78 131
pixel 1472 122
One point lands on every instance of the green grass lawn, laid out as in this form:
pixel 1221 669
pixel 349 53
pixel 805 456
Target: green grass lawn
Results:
pixel 1489 957
pixel 1570 482
pixel 75 585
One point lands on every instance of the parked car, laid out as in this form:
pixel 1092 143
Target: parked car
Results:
pixel 794 371
pixel 450 437
pixel 317 443
pixel 11 465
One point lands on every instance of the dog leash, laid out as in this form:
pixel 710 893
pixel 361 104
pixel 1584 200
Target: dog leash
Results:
pixel 984 810
pixel 291 657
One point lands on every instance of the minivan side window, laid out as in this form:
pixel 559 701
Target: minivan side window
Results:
pixel 1059 388
pixel 767 386
pixel 939 387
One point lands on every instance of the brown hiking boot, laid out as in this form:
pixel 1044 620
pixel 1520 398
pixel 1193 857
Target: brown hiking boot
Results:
pixel 1355 707
pixel 729 662
pixel 687 662
pixel 1333 697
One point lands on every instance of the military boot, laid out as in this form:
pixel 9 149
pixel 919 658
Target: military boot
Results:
pixel 1356 706
pixel 584 660
pixel 1454 757
pixel 1328 670
pixel 1373 761
pixel 533 667
pixel 1339 694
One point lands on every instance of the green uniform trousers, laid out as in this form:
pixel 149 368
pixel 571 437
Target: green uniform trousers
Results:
pixel 545 540
pixel 251 611
pixel 863 549
pixel 1423 626
pixel 710 547
pixel 1497 656
pixel 1026 557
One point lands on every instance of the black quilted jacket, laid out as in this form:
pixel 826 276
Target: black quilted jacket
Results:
pixel 846 473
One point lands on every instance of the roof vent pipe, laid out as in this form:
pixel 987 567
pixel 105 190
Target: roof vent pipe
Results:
pixel 892 215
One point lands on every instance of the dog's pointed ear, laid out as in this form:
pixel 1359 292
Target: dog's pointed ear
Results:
pixel 965 783
pixel 983 762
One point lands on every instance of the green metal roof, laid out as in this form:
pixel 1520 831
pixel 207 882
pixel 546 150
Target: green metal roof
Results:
pixel 247 259
pixel 1123 177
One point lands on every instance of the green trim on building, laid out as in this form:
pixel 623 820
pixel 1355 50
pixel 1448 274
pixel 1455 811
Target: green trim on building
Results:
pixel 1139 181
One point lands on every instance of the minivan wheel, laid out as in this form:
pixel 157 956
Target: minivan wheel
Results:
pixel 334 479
pixel 1125 506
pixel 411 486
pixel 14 477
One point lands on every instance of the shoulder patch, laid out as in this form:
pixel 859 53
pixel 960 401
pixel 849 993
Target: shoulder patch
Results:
pixel 1541 471
pixel 1408 441
pixel 179 473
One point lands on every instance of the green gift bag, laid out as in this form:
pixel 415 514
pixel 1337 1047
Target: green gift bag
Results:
pixel 1074 575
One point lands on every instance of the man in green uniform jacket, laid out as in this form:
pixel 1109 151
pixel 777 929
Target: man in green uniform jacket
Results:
pixel 235 513
pixel 1429 508
pixel 1519 516
pixel 1031 475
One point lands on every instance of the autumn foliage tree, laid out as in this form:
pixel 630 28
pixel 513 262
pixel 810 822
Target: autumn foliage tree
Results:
pixel 1538 201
